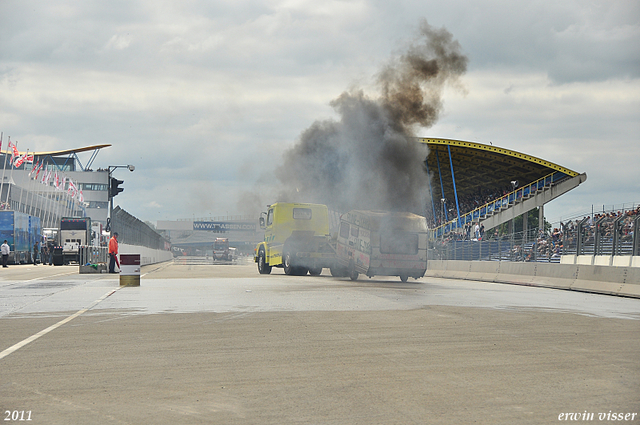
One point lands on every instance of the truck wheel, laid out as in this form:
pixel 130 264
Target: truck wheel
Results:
pixel 287 263
pixel 263 267
pixel 315 271
pixel 353 274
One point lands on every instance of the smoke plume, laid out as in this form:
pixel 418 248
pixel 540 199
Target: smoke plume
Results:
pixel 368 159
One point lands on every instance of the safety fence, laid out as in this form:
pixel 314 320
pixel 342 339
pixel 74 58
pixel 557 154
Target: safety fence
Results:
pixel 132 231
pixel 504 248
pixel 607 236
pixel 93 255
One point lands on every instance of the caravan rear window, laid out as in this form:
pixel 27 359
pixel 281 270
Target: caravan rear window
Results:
pixel 344 230
pixel 399 243
pixel 302 213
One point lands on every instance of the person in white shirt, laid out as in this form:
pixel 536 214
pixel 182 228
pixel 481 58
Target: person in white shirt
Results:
pixel 5 250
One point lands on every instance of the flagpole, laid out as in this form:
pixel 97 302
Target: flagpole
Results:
pixel 47 207
pixel 54 199
pixel 3 168
pixel 43 202
pixel 45 196
pixel 11 173
pixel 32 208
pixel 22 190
pixel 66 200
pixel 46 204
pixel 49 201
pixel 57 198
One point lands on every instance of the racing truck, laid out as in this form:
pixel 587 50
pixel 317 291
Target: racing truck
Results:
pixel 221 249
pixel 296 238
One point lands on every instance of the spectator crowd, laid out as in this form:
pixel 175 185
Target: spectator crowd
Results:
pixel 550 245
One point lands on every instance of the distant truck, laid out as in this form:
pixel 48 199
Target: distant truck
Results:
pixel 74 233
pixel 296 238
pixel 221 249
pixel 381 243
pixel 21 231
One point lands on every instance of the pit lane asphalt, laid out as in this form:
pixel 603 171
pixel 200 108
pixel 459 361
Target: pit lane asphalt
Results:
pixel 198 343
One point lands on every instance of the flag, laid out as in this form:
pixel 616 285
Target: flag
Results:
pixel 39 168
pixel 14 151
pixel 27 157
pixel 18 162
pixel 73 190
pixel 80 196
pixel 46 177
pixel 61 184
pixel 35 166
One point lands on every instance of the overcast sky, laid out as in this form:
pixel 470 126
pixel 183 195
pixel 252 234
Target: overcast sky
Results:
pixel 203 97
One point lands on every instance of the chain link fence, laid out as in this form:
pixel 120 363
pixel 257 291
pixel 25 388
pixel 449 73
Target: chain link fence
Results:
pixel 607 235
pixel 132 231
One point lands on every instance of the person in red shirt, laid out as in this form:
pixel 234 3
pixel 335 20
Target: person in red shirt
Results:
pixel 113 253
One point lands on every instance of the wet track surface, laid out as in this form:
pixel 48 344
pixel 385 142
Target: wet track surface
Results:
pixel 192 286
pixel 219 343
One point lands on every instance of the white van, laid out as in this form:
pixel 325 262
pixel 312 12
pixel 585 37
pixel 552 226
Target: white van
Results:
pixel 382 243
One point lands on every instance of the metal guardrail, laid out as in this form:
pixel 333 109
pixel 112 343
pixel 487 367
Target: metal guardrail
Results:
pixel 504 248
pixel 608 236
pixel 93 255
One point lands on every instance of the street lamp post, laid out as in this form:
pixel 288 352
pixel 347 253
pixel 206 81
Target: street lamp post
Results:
pixel 111 189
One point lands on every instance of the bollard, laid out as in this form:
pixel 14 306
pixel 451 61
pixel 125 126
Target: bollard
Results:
pixel 129 269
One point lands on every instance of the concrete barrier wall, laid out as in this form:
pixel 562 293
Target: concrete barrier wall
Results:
pixel 624 281
pixel 147 255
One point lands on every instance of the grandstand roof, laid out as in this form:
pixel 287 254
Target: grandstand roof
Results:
pixel 65 151
pixel 476 166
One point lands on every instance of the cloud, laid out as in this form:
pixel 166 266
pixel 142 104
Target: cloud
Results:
pixel 205 97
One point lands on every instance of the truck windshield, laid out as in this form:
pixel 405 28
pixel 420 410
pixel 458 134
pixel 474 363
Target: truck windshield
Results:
pixel 73 225
pixel 399 243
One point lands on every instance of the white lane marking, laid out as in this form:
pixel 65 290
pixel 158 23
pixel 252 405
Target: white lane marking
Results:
pixel 37 278
pixel 32 338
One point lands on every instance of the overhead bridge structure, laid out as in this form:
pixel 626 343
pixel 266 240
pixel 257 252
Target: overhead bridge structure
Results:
pixel 478 183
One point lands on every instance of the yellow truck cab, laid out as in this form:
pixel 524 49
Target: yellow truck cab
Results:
pixel 296 238
pixel 382 243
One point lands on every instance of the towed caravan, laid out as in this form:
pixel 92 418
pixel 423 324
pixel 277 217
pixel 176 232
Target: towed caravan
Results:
pixel 382 243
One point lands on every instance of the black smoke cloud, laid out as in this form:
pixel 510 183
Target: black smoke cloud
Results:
pixel 368 158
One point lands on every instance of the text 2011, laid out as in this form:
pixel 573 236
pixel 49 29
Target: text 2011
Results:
pixel 17 415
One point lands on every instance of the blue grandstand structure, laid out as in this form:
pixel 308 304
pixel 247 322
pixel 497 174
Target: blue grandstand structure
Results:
pixel 475 183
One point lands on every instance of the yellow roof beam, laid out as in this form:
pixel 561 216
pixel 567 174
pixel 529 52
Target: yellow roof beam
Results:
pixel 502 151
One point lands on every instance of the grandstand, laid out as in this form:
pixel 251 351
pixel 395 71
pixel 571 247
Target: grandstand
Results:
pixel 476 183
